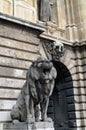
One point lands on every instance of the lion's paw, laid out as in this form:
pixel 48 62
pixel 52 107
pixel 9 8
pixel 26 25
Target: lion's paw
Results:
pixel 47 119
pixel 15 121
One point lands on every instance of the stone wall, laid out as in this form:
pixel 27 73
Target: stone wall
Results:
pixel 19 46
pixel 80 86
pixel 75 61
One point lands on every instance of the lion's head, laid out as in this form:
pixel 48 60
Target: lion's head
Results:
pixel 42 69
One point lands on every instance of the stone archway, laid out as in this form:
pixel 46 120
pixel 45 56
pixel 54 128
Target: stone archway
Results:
pixel 59 106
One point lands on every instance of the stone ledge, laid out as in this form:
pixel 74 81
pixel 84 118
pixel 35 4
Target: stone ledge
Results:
pixel 20 21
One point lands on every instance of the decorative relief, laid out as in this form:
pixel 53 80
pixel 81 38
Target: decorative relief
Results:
pixel 55 49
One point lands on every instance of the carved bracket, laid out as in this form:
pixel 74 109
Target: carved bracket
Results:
pixel 55 49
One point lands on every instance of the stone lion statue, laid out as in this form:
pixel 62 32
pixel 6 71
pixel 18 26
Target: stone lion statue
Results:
pixel 34 97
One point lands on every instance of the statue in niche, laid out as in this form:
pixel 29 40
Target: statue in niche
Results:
pixel 44 10
pixel 34 96
pixel 47 10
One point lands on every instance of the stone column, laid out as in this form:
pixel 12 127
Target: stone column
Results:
pixel 35 13
pixel 80 17
pixel 61 13
pixel 71 29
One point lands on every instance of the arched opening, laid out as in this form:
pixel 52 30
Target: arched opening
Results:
pixel 59 105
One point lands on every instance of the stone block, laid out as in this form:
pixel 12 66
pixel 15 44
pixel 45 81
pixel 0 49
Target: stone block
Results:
pixel 17 126
pixel 44 126
pixel 25 126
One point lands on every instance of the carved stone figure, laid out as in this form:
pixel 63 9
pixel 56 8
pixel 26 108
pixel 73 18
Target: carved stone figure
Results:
pixel 45 10
pixel 56 49
pixel 35 92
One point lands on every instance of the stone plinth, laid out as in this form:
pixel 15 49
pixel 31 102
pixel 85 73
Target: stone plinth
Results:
pixel 25 126
pixel 44 126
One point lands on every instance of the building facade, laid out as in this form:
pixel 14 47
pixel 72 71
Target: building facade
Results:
pixel 23 37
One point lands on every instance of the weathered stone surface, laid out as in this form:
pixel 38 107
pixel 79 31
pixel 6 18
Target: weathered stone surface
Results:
pixel 12 73
pixel 18 126
pixel 25 126
pixel 44 126
pixel 18 33
pixel 34 97
pixel 15 63
pixel 16 44
pixel 6 104
pixel 5 116
pixel 21 38
pixel 17 54
pixel 11 83
pixel 9 93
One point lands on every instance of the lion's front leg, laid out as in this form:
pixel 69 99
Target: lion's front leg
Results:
pixel 44 107
pixel 30 109
pixel 27 98
pixel 37 113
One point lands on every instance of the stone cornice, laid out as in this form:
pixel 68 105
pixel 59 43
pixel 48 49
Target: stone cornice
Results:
pixel 41 28
pixel 53 38
pixel 80 43
pixel 22 22
pixel 64 41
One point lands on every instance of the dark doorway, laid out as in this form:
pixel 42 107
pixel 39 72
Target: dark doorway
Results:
pixel 58 106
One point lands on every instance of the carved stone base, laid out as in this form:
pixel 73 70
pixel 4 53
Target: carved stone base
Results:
pixel 25 126
pixel 44 126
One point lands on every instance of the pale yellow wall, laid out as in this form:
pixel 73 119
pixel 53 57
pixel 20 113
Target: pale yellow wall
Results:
pixel 24 9
pixel 6 6
pixel 76 20
pixel 81 16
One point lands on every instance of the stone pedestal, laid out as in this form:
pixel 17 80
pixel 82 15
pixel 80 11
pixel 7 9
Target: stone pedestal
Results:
pixel 25 126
